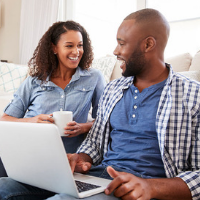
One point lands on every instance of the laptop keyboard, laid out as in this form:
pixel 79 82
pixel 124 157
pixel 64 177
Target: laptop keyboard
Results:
pixel 82 186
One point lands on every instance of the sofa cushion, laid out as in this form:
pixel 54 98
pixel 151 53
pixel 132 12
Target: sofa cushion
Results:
pixel 5 98
pixel 194 75
pixel 180 63
pixel 105 65
pixel 117 71
pixel 195 66
pixel 11 76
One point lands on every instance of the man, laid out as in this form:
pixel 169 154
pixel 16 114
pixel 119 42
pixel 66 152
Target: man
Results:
pixel 148 120
pixel 147 126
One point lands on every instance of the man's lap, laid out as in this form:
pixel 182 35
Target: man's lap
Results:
pixel 13 190
pixel 99 196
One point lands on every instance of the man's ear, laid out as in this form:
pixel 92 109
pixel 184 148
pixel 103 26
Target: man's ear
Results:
pixel 150 44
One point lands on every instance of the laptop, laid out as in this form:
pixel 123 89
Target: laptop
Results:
pixel 34 154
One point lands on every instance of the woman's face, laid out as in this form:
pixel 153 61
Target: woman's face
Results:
pixel 69 49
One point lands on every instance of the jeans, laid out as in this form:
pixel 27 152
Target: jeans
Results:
pixel 13 190
pixel 2 170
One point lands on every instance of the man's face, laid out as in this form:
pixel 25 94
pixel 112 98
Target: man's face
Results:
pixel 135 64
pixel 128 50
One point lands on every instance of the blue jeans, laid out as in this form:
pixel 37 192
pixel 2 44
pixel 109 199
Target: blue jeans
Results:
pixel 13 190
pixel 2 170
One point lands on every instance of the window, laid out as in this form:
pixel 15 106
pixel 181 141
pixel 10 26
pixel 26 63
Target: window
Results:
pixel 101 19
pixel 184 20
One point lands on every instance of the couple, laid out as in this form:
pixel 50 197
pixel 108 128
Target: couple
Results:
pixel 146 128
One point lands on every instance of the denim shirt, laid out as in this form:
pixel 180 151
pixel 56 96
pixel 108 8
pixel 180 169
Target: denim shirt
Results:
pixel 34 97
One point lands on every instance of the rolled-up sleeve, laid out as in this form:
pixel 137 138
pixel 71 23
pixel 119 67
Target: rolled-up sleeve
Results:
pixel 20 102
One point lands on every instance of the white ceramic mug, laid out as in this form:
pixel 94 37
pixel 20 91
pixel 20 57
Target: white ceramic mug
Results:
pixel 61 118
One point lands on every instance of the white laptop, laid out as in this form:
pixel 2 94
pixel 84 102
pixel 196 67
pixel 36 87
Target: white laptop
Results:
pixel 34 154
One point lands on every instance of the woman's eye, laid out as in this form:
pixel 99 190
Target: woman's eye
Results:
pixel 80 45
pixel 69 46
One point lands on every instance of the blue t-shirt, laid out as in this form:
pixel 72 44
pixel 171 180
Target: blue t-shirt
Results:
pixel 133 143
pixel 33 98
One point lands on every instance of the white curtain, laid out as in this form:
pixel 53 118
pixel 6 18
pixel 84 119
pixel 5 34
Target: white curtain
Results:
pixel 36 17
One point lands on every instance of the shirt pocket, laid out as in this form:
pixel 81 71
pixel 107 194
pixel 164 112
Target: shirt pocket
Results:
pixel 83 93
pixel 80 99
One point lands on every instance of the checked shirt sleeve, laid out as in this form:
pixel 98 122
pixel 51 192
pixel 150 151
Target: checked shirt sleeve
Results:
pixel 92 144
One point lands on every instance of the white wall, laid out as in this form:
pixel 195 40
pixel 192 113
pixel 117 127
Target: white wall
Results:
pixel 9 31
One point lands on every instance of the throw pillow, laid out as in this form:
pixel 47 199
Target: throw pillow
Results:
pixel 11 76
pixel 105 65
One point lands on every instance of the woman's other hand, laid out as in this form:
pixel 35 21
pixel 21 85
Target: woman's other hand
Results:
pixel 73 128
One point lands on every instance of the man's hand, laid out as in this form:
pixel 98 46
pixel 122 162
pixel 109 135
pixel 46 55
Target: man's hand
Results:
pixel 79 162
pixel 128 186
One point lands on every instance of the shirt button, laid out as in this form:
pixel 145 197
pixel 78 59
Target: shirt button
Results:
pixel 83 89
pixel 136 91
pixel 62 96
pixel 133 115
pixel 135 97
pixel 135 107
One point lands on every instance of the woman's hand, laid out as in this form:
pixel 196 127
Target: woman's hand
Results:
pixel 42 118
pixel 73 128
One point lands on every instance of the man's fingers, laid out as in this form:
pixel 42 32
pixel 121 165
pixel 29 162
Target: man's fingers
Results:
pixel 73 159
pixel 115 183
pixel 113 173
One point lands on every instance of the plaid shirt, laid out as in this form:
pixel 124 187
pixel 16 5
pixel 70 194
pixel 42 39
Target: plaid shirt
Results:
pixel 177 126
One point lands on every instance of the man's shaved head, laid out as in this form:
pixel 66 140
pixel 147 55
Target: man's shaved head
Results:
pixel 152 23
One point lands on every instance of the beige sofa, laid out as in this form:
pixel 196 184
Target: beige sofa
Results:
pixel 12 75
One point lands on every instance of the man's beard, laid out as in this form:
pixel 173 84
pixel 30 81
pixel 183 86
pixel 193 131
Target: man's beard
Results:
pixel 135 64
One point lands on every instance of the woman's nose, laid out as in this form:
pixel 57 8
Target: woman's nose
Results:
pixel 75 51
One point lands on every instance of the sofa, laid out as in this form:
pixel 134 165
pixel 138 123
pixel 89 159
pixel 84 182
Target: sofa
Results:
pixel 12 75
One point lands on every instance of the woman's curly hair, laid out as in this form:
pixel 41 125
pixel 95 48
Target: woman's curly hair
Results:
pixel 44 62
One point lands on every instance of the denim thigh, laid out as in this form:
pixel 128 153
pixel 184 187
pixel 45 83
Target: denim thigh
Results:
pixel 13 190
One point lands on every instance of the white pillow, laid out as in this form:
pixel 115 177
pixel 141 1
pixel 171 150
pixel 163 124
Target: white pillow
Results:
pixel 195 66
pixel 105 65
pixel 180 63
pixel 11 76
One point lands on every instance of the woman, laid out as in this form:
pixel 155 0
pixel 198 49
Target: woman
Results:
pixel 60 79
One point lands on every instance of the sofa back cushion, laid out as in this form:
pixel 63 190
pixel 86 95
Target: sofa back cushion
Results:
pixel 195 66
pixel 180 62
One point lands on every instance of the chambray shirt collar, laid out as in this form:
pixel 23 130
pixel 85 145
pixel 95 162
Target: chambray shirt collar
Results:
pixel 79 72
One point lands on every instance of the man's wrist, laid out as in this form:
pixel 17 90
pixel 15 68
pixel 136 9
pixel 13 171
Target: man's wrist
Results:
pixel 85 157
